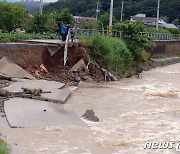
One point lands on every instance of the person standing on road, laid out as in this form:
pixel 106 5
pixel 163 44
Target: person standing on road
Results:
pixel 63 31
pixel 73 32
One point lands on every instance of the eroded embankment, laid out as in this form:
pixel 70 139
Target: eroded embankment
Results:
pixel 31 56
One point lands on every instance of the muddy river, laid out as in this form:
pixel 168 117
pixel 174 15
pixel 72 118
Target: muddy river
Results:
pixel 131 112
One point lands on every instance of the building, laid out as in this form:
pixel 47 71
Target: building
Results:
pixel 152 21
pixel 79 19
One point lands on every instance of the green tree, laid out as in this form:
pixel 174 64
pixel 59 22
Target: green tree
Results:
pixel 51 24
pixel 65 16
pixel 39 24
pixel 176 22
pixel 11 16
pixel 104 20
pixel 27 24
pixel 136 43
pixel 89 25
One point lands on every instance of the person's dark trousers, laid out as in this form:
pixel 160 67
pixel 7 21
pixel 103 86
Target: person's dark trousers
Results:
pixel 63 37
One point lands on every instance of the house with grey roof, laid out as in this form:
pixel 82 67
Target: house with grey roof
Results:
pixel 152 21
pixel 80 19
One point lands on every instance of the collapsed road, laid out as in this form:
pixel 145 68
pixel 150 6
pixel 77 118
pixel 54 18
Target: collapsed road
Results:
pixel 128 113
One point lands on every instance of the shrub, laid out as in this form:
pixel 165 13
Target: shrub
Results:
pixel 89 25
pixel 11 37
pixel 136 43
pixel 4 149
pixel 113 52
pixel 39 23
pixel 11 16
pixel 65 16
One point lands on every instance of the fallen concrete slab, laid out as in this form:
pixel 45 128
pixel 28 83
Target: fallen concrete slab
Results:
pixel 46 41
pixel 35 84
pixel 11 69
pixel 33 113
pixel 53 49
pixel 57 95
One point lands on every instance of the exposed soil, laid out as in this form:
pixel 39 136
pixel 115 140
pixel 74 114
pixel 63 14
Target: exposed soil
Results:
pixel 31 59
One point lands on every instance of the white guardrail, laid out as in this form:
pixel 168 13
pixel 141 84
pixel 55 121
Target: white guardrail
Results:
pixel 155 36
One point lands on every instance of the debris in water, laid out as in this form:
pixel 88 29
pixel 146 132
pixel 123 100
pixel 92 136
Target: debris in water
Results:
pixel 89 114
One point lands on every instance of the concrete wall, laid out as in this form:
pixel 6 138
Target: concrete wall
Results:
pixel 167 47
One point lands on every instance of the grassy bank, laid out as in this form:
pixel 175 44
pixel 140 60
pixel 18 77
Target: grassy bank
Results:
pixel 4 149
pixel 122 56
pixel 13 37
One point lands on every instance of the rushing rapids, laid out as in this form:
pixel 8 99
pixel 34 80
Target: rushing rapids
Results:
pixel 131 112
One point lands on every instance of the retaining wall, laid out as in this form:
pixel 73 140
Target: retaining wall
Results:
pixel 167 47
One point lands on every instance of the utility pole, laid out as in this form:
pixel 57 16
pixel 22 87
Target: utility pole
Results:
pixel 40 6
pixel 97 10
pixel 157 14
pixel 110 18
pixel 122 8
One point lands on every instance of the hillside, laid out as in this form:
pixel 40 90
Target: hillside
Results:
pixel 31 6
pixel 171 9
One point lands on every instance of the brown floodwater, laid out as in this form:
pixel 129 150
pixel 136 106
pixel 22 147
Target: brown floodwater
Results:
pixel 131 112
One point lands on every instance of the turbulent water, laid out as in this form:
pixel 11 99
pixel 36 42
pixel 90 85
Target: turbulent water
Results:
pixel 131 112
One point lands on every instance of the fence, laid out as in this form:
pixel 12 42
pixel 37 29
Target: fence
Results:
pixel 162 36
pixel 155 36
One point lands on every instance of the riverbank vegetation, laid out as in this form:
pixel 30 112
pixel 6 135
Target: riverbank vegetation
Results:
pixel 4 149
pixel 13 36
pixel 122 55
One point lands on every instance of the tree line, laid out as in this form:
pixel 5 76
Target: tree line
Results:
pixel 14 16
pixel 169 9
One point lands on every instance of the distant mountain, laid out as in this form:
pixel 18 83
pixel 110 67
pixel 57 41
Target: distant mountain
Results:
pixel 170 9
pixel 31 6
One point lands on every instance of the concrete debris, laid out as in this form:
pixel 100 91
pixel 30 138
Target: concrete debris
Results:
pixel 89 114
pixel 80 67
pixel 53 49
pixel 78 79
pixel 87 79
pixel 108 75
pixel 11 69
pixel 3 77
